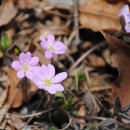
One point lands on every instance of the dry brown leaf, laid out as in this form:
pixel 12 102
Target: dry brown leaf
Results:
pixel 3 88
pixel 120 54
pixel 13 82
pixel 28 4
pixel 13 87
pixel 96 61
pixel 7 13
pixel 100 15
pixel 41 56
pixel 55 30
pixel 82 110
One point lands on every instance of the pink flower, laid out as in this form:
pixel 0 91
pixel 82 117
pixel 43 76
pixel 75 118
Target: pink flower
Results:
pixel 51 46
pixel 46 79
pixel 124 12
pixel 25 65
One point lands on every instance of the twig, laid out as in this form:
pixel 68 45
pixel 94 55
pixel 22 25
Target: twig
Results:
pixel 120 33
pixel 76 21
pixel 88 78
pixel 84 56
pixel 89 117
pixel 31 115
pixel 101 88
pixel 70 120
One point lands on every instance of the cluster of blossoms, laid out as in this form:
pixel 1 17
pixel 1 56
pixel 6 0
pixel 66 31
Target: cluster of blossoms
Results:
pixel 124 15
pixel 51 46
pixel 43 76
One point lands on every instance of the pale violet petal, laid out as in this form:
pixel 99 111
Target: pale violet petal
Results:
pixel 59 51
pixel 37 81
pixel 16 65
pixel 43 42
pixel 37 72
pixel 127 18
pixel 50 39
pixel 22 57
pixel 124 10
pixel 20 74
pixel 59 77
pixel 29 75
pixel 51 70
pixel 50 89
pixel 48 54
pixel 34 61
pixel 60 45
pixel 28 56
pixel 58 87
pixel 44 70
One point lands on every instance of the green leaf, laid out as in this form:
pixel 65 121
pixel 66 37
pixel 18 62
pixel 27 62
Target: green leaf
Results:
pixel 59 94
pixel 69 102
pixel 81 76
pixel 4 43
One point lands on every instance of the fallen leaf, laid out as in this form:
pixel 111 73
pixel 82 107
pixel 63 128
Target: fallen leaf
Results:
pixel 55 30
pixel 7 13
pixel 3 88
pixel 120 54
pixel 96 61
pixel 100 15
pixel 28 4
pixel 16 89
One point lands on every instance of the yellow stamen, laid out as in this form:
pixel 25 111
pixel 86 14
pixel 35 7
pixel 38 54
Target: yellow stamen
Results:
pixel 25 67
pixel 51 48
pixel 47 82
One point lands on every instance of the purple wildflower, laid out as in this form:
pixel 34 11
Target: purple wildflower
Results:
pixel 51 46
pixel 46 79
pixel 124 12
pixel 25 65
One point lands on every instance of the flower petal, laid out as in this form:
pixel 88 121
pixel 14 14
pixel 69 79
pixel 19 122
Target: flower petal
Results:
pixel 58 87
pixel 60 45
pixel 37 77
pixel 16 65
pixel 50 89
pixel 22 56
pixel 43 42
pixel 28 56
pixel 59 77
pixel 59 51
pixel 50 39
pixel 20 74
pixel 48 54
pixel 51 70
pixel 60 48
pixel 29 75
pixel 127 18
pixel 124 10
pixel 25 57
pixel 37 72
pixel 44 70
pixel 34 61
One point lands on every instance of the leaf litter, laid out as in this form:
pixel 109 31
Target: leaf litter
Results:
pixel 88 102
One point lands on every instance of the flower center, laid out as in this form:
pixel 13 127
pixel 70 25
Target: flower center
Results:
pixel 51 48
pixel 47 82
pixel 25 67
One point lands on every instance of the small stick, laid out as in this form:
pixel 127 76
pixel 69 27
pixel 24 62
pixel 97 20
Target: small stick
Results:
pixel 84 56
pixel 76 21
pixel 31 115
